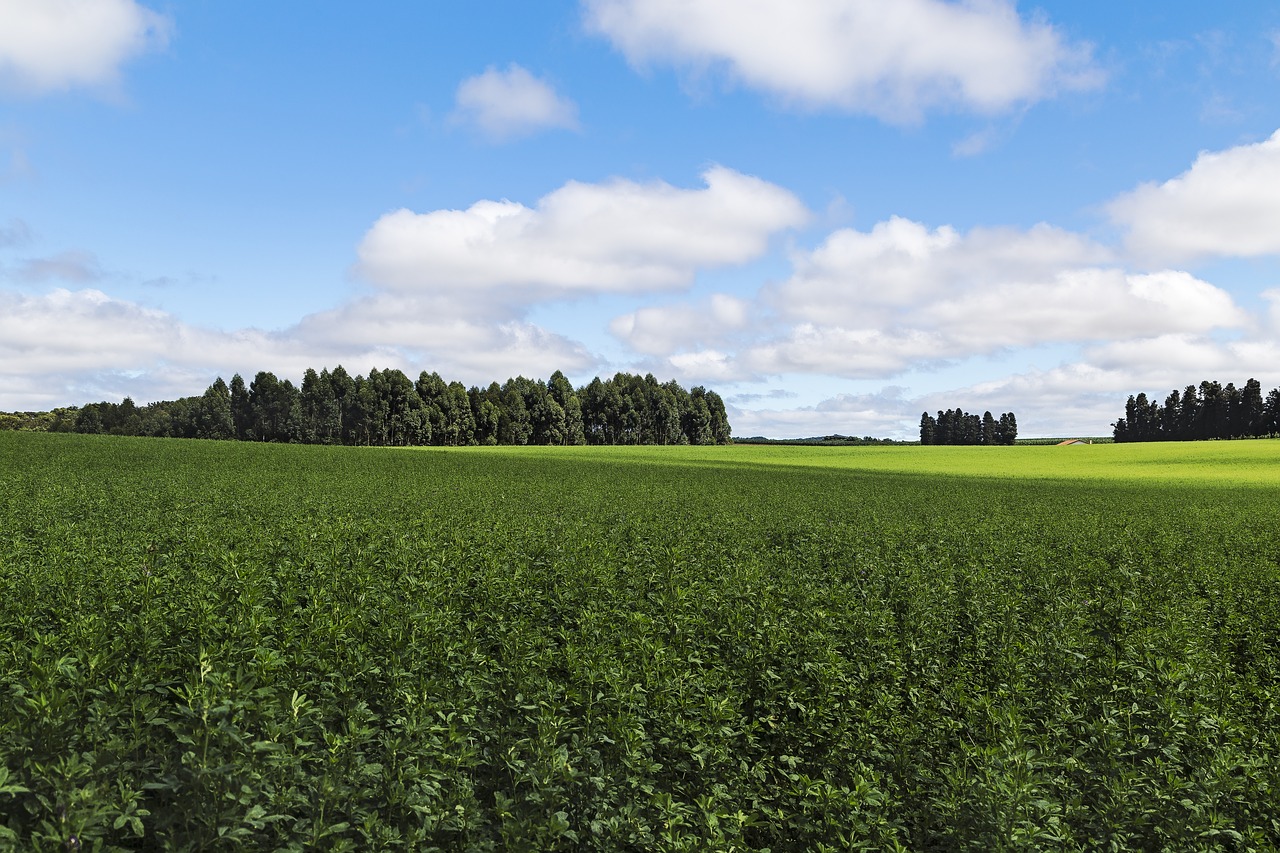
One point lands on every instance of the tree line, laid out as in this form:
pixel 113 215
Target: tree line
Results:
pixel 956 426
pixel 1200 413
pixel 386 408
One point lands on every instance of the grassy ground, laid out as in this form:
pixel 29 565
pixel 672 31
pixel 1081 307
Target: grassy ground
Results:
pixel 1223 463
pixel 227 646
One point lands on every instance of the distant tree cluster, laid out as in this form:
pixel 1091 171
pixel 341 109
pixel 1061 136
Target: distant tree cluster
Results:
pixel 955 426
pixel 387 408
pixel 836 440
pixel 1209 411
pixel 55 420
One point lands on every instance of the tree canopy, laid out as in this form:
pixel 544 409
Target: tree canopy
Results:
pixel 956 426
pixel 387 408
pixel 1201 412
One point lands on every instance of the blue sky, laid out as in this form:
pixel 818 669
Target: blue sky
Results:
pixel 838 213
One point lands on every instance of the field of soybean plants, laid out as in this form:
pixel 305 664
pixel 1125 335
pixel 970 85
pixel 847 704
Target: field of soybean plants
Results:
pixel 219 646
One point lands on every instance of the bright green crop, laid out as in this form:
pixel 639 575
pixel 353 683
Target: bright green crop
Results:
pixel 210 646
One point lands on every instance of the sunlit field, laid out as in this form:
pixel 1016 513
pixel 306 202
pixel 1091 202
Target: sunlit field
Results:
pixel 210 645
pixel 1226 463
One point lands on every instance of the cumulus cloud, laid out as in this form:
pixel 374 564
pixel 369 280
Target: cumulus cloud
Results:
pixel 893 60
pixel 468 346
pixel 852 353
pixel 56 45
pixel 662 329
pixel 876 303
pixel 870 277
pixel 82 345
pixel 511 103
pixel 617 236
pixel 450 291
pixel 76 341
pixel 1226 204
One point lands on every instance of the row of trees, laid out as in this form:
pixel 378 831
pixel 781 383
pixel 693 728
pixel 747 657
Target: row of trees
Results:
pixel 1204 412
pixel 955 426
pixel 388 408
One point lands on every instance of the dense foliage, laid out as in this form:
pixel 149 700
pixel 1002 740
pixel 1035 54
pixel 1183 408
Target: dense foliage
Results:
pixel 56 420
pixel 1210 411
pixel 208 645
pixel 388 409
pixel 955 426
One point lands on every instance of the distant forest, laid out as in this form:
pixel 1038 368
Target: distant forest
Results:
pixel 956 426
pixel 387 408
pixel 1210 411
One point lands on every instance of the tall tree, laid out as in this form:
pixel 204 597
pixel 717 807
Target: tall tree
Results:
pixel 721 432
pixel 213 417
pixel 1007 427
pixel 241 412
pixel 1271 413
pixel 928 428
pixel 321 414
pixel 989 435
pixel 1252 409
pixel 562 392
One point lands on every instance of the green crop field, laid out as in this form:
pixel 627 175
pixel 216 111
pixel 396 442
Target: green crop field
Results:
pixel 219 646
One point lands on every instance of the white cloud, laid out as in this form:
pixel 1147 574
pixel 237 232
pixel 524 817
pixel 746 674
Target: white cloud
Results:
pixel 1080 397
pixel 66 329
pixel 79 346
pixel 511 103
pixel 902 296
pixel 662 329
pixel 893 60
pixel 886 414
pixel 870 278
pixel 617 236
pixel 1085 397
pixel 1226 204
pixel 459 343
pixel 853 353
pixel 451 291
pixel 55 45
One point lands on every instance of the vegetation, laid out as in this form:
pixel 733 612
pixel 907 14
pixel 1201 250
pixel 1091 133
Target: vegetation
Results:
pixel 217 645
pixel 956 426
pixel 388 409
pixel 1209 411
pixel 57 420
pixel 835 440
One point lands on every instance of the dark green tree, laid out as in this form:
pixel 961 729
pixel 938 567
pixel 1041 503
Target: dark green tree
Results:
pixel 989 435
pixel 1252 409
pixel 928 428
pixel 241 411
pixel 214 418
